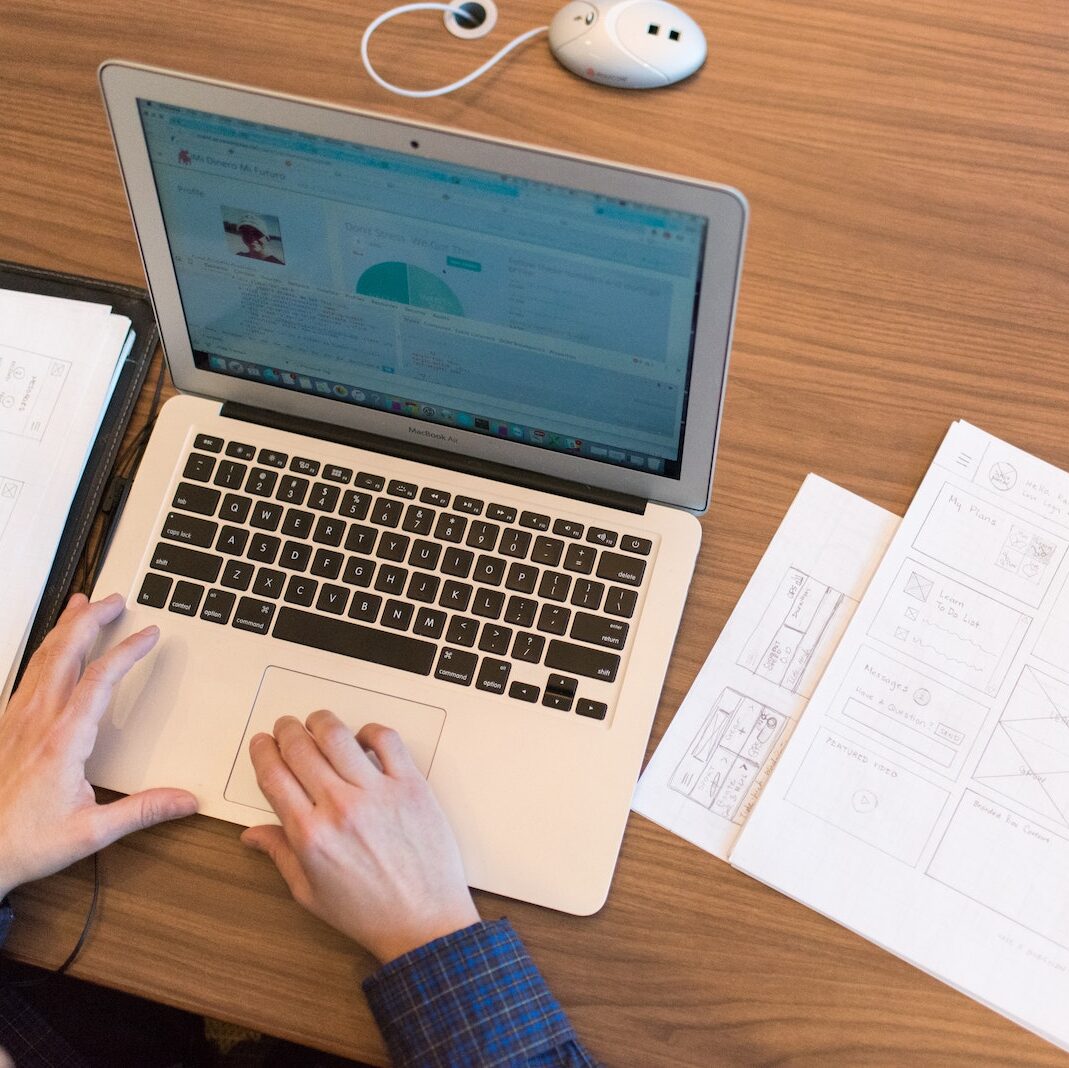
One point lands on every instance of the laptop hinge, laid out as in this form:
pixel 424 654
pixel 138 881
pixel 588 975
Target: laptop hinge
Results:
pixel 470 465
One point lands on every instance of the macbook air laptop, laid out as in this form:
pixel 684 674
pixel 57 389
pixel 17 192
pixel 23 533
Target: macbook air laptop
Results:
pixel 449 407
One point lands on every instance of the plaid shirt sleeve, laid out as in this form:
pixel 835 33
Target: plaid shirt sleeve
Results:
pixel 473 997
pixel 7 917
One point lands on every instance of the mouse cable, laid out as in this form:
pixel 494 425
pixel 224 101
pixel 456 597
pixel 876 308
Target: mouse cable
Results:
pixel 423 93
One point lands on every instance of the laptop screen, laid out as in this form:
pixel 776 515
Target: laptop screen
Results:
pixel 481 302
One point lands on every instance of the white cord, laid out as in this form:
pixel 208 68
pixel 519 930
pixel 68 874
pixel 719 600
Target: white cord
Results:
pixel 404 9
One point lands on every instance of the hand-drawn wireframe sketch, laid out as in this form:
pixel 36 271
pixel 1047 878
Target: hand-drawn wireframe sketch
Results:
pixel 723 759
pixel 1003 476
pixel 10 488
pixel 1027 756
pixel 797 633
pixel 1052 645
pixel 958 631
pixel 904 710
pixel 1006 553
pixel 30 386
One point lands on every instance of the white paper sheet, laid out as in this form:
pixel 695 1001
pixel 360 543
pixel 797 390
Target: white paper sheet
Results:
pixel 720 748
pixel 59 360
pixel 924 799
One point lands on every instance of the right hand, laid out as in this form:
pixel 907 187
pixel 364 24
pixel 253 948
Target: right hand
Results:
pixel 363 846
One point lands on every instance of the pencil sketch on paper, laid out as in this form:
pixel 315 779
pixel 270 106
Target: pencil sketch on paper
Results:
pixel 1027 756
pixel 10 488
pixel 1052 645
pixel 797 633
pixel 30 387
pixel 721 764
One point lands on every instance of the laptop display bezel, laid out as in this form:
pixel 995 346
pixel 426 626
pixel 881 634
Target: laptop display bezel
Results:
pixel 724 208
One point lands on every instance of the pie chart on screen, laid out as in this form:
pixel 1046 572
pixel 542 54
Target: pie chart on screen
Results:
pixel 404 283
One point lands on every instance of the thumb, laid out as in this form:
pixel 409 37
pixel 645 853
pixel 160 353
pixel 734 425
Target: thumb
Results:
pixel 141 810
pixel 271 840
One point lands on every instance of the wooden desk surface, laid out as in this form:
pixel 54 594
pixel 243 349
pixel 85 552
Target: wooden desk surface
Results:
pixel 907 165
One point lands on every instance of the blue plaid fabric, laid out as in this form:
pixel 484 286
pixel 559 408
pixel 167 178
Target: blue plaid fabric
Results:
pixel 473 997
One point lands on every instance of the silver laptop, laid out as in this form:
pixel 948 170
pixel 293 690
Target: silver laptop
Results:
pixel 449 408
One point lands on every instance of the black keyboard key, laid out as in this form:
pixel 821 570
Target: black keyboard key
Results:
pixel 332 599
pixel 200 499
pixel 423 587
pixel 418 519
pixel 361 539
pixel 630 544
pixel 495 639
pixel 587 594
pixel 439 498
pixel 454 665
pixel 528 647
pixel 554 585
pixel 301 590
pixel 557 700
pixel 232 540
pixel 501 513
pixel 515 543
pixel 390 579
pixel 524 691
pixel 455 595
pixel 297 524
pixel 521 611
pixel 358 571
pixel 612 633
pixel 567 529
pixel 397 488
pixel 265 515
pixel 264 548
pixel 430 623
pixel 392 546
pixel 299 465
pixel 468 504
pixel 424 554
pixel 208 443
pixel 270 458
pixel 217 606
pixel 268 582
pixel 185 599
pixel 292 490
pixel 582 660
pixel 488 603
pixel 154 590
pixel 333 473
pixel 534 520
pixel 354 505
pixel 351 639
pixel 370 482
pixel 199 467
pixel 562 684
pixel 493 675
pixel 598 536
pixel 554 619
pixel 397 615
pixel 235 509
pixel 295 555
pixel 620 602
pixel 323 498
pixel 522 578
pixel 591 709
pixel 365 607
pixel 237 574
pixel 253 615
pixel 241 451
pixel 489 570
pixel 580 558
pixel 457 562
pixel 386 513
pixel 261 482
pixel 547 551
pixel 329 530
pixel 230 475
pixel 450 527
pixel 327 564
pixel 189 530
pixel 482 535
pixel 190 563
pixel 617 568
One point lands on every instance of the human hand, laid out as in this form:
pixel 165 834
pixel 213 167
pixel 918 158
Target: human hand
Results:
pixel 365 848
pixel 49 816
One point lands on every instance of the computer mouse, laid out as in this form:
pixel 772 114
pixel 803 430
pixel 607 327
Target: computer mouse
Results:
pixel 632 44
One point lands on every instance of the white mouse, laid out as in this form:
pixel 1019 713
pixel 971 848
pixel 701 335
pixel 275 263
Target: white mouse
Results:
pixel 632 44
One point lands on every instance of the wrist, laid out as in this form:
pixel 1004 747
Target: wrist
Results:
pixel 402 939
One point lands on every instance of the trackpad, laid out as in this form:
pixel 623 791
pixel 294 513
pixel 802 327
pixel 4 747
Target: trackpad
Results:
pixel 292 693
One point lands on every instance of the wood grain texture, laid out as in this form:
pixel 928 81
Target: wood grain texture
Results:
pixel 907 166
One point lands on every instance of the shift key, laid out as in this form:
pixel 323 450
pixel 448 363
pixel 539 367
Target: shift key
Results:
pixel 179 560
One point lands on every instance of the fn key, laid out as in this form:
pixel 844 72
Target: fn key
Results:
pixel 154 590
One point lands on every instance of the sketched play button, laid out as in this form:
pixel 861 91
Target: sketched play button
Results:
pixel 864 801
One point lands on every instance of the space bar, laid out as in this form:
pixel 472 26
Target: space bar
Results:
pixel 350 639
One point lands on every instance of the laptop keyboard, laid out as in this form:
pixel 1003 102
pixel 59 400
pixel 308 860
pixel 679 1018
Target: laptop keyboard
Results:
pixel 413 577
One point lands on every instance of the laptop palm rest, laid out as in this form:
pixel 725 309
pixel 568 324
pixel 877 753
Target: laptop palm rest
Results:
pixel 293 693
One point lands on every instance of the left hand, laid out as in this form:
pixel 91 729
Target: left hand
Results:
pixel 49 816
